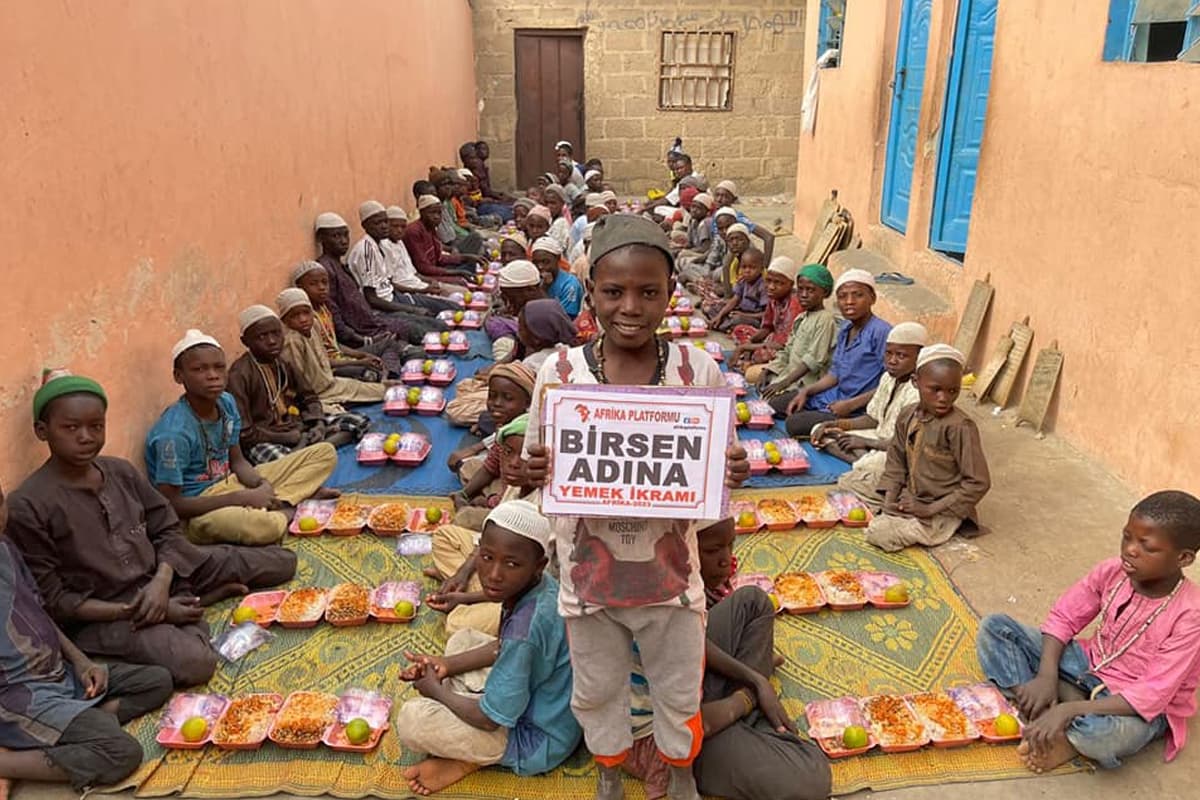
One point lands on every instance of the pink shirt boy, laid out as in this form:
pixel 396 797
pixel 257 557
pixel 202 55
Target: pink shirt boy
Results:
pixel 1159 672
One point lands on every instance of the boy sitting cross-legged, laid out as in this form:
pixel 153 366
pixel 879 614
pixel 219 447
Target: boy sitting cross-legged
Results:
pixel 108 552
pixel 491 701
pixel 280 412
pixel 194 458
pixel 60 712
pixel 936 472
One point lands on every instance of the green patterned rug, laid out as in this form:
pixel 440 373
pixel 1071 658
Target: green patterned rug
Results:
pixel 927 645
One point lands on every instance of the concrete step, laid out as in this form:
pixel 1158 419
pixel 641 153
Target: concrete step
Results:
pixel 895 303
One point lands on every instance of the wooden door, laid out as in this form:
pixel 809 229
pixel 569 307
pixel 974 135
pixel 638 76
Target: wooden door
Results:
pixel 549 87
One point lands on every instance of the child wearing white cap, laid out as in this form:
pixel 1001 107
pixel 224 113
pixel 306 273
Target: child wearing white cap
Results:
pixel 864 440
pixel 505 702
pixel 936 472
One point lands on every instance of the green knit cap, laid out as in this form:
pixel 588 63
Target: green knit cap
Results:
pixel 516 427
pixel 818 274
pixel 59 382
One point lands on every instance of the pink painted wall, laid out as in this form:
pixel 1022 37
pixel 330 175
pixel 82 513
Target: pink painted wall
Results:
pixel 1085 210
pixel 163 162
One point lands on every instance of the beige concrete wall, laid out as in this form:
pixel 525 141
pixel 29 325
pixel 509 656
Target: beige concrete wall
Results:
pixel 755 143
pixel 1084 215
pixel 163 162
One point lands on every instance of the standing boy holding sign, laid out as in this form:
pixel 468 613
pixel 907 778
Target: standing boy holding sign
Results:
pixel 632 578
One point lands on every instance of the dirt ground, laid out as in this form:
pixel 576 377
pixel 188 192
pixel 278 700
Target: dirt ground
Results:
pixel 1051 515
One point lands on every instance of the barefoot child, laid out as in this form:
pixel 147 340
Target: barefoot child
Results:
pixel 750 748
pixel 305 353
pixel 864 440
pixel 759 344
pixel 936 472
pixel 279 410
pixel 857 361
pixel 1135 679
pixel 60 712
pixel 632 579
pixel 747 301
pixel 455 547
pixel 108 553
pixel 193 457
pixel 805 356
pixel 503 702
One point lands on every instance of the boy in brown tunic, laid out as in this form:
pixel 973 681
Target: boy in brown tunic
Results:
pixel 936 472
pixel 108 552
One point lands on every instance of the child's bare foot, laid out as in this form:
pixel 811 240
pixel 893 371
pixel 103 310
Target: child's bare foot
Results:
pixel 1037 760
pixel 224 591
pixel 325 493
pixel 433 572
pixel 609 787
pixel 434 774
pixel 682 785
pixel 778 660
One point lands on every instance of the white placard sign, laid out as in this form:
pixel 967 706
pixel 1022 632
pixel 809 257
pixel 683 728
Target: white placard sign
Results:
pixel 637 451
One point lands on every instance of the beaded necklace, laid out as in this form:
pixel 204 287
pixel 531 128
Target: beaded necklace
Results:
pixel 275 383
pixel 1103 658
pixel 596 362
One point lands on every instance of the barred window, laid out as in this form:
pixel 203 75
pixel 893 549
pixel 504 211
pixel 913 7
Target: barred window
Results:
pixel 696 71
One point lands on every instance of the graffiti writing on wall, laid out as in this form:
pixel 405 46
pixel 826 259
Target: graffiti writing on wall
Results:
pixel 748 21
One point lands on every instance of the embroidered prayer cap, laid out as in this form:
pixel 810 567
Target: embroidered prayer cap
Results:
pixel 396 212
pixel 784 266
pixel 554 188
pixel 563 143
pixel 620 230
pixel 608 195
pixel 594 200
pixel 855 276
pixel 728 186
pixel 938 352
pixel 518 275
pixel 59 382
pixel 687 195
pixel 587 176
pixel 725 211
pixel 522 518
pixel 548 244
pixel 193 338
pixel 288 299
pixel 524 202
pixel 737 227
pixel 541 211
pixel 705 199
pixel 550 177
pixel 911 333
pixel 818 274
pixel 516 372
pixel 370 209
pixel 427 200
pixel 465 173
pixel 253 314
pixel 516 427
pixel 305 267
pixel 704 524
pixel 329 221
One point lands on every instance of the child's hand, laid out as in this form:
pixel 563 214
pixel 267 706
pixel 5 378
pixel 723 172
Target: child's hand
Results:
pixel 914 507
pixel 737 466
pixel 1036 696
pixel 797 402
pixel 93 678
pixel 1043 731
pixel 537 466
pixel 434 664
pixel 841 408
pixel 445 602
pixel 772 708
pixel 428 684
pixel 184 610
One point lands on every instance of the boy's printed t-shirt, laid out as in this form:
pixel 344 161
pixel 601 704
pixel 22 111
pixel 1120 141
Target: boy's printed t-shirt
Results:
pixel 1159 672
pixel 369 267
pixel 568 291
pixel 528 689
pixel 780 316
pixel 185 451
pixel 623 562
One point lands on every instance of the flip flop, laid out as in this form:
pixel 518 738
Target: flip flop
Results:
pixel 898 278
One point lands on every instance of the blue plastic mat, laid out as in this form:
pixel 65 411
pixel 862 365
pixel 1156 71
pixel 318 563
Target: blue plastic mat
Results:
pixel 432 477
